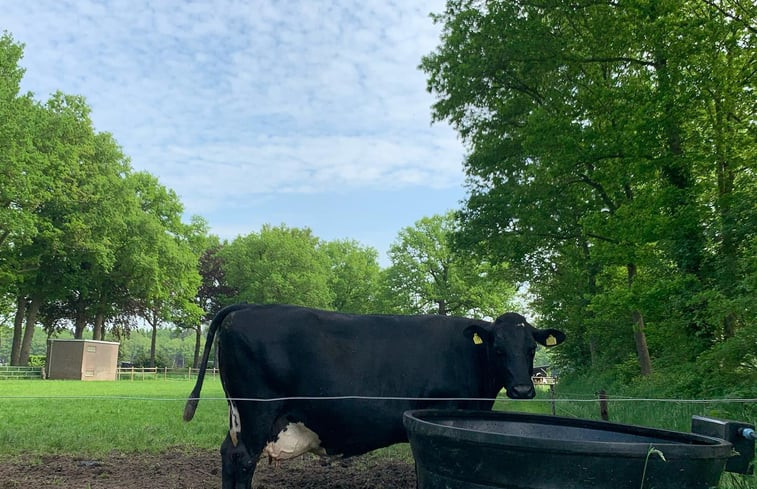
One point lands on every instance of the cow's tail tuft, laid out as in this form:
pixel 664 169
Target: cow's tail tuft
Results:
pixel 194 396
pixel 191 407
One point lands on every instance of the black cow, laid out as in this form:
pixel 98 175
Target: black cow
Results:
pixel 300 379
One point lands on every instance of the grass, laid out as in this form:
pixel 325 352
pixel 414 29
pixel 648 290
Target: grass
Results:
pixel 95 418
pixel 91 418
pixel 655 414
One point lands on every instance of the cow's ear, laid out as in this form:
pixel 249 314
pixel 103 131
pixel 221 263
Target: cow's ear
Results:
pixel 477 334
pixel 549 337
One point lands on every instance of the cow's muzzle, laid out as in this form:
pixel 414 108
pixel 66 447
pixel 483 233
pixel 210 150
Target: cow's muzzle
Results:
pixel 521 391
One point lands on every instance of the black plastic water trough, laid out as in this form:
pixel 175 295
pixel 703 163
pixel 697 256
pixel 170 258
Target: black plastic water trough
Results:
pixel 487 449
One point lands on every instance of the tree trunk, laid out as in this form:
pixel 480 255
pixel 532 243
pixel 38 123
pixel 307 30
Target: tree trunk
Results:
pixel 686 233
pixel 154 323
pixel 98 332
pixel 18 329
pixel 80 321
pixel 198 343
pixel 31 322
pixel 592 351
pixel 639 336
pixel 729 245
pixel 592 270
pixel 642 351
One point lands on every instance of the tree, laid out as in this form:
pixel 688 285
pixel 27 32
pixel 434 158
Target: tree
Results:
pixel 63 138
pixel 428 277
pixel 278 265
pixel 82 238
pixel 95 227
pixel 607 143
pixel 166 275
pixel 21 170
pixel 213 292
pixel 354 276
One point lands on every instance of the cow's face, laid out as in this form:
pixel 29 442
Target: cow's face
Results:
pixel 511 344
pixel 237 466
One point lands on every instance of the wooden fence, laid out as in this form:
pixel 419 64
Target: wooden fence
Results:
pixel 130 373
pixel 155 373
pixel 13 373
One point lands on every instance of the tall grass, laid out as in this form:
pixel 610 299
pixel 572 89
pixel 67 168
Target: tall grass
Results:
pixel 642 405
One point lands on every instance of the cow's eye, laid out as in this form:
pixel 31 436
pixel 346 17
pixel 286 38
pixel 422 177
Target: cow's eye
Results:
pixel 532 351
pixel 499 350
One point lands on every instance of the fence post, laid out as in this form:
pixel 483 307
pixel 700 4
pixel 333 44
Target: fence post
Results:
pixel 603 411
pixel 552 396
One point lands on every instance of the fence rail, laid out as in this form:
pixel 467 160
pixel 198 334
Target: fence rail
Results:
pixel 13 373
pixel 154 373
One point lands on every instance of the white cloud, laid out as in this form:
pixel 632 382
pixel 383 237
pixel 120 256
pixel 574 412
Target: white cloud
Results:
pixel 252 97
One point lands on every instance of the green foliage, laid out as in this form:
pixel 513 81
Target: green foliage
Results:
pixel 612 166
pixel 354 276
pixel 174 348
pixel 730 367
pixel 37 360
pixel 428 277
pixel 21 169
pixel 278 265
pixel 290 265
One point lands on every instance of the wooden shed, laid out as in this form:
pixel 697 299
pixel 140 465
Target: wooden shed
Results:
pixel 82 359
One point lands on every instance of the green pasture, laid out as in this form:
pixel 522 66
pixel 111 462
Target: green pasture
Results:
pixel 87 418
pixel 90 418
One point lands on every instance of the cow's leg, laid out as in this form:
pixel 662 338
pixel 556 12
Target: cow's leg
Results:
pixel 237 466
pixel 238 460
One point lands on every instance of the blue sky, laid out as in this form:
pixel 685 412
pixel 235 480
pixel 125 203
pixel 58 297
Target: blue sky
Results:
pixel 305 113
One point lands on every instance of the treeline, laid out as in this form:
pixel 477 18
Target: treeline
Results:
pixel 612 164
pixel 85 241
pixel 175 347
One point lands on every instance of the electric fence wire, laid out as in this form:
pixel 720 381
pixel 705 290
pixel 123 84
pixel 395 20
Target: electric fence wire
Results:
pixel 609 399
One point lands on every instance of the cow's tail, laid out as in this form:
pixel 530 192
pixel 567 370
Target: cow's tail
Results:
pixel 194 396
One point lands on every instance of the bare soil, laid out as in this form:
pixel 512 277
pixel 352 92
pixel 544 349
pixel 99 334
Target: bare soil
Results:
pixel 199 470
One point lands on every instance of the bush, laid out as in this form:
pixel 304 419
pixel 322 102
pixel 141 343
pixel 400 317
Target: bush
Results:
pixel 37 360
pixel 142 360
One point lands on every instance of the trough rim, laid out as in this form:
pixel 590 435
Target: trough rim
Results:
pixel 675 445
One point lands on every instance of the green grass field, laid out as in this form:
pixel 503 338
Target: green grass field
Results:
pixel 90 418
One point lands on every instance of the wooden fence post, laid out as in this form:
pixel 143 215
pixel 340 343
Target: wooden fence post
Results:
pixel 603 411
pixel 552 396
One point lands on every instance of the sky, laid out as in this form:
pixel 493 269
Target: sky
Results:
pixel 304 113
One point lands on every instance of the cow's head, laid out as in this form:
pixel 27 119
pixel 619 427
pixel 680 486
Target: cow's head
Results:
pixel 511 344
pixel 237 466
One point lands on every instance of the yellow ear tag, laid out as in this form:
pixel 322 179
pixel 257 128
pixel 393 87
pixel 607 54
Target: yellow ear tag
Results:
pixel 550 341
pixel 477 339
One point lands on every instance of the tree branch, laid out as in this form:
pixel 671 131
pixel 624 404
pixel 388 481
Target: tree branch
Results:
pixel 732 16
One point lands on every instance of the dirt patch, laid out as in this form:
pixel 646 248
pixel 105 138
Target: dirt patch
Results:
pixel 199 470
